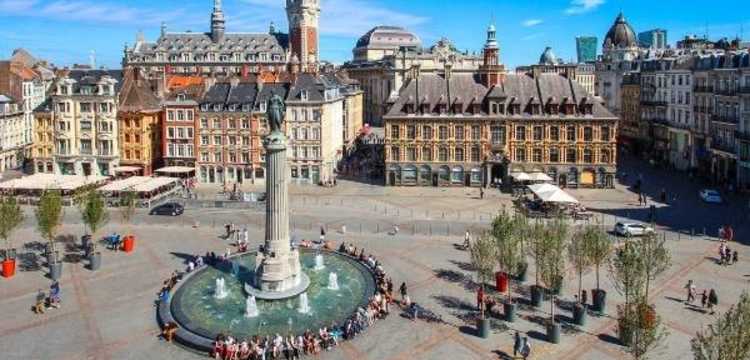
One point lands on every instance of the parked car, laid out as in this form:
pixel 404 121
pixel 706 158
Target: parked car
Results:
pixel 171 209
pixel 710 196
pixel 632 229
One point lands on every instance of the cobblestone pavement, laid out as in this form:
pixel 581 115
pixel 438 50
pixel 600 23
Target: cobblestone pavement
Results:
pixel 109 314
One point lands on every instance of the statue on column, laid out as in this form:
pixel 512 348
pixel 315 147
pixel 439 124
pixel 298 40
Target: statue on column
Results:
pixel 275 114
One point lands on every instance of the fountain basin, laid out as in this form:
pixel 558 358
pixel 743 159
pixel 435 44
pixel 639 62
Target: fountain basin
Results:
pixel 201 317
pixel 279 295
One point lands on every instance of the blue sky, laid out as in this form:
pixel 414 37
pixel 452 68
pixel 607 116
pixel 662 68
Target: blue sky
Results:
pixel 66 31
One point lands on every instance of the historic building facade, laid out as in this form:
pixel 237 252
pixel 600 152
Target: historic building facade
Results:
pixel 620 57
pixel 475 129
pixel 84 105
pixel 632 133
pixel 139 116
pixel 44 139
pixel 226 53
pixel 12 133
pixel 583 74
pixel 178 126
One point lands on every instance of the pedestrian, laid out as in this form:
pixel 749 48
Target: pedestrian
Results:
pixel 690 287
pixel 640 199
pixel 322 234
pixel 404 294
pixel 228 229
pixel 481 193
pixel 516 344
pixel 480 299
pixel 584 297
pixel 713 300
pixel 467 240
pixel 735 256
pixel 704 299
pixel 39 306
pixel 526 348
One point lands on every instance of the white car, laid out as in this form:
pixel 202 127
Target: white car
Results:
pixel 632 229
pixel 710 196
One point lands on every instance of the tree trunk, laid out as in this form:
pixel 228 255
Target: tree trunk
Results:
pixel 580 286
pixel 597 277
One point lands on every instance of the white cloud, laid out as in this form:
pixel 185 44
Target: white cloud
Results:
pixel 11 6
pixel 532 22
pixel 583 6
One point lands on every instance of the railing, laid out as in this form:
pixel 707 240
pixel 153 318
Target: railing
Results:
pixel 654 103
pixel 744 90
pixel 727 92
pixel 726 146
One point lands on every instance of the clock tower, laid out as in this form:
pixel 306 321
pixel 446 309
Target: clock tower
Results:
pixel 304 16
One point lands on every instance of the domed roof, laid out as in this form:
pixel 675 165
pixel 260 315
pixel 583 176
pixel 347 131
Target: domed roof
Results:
pixel 388 37
pixel 621 34
pixel 548 57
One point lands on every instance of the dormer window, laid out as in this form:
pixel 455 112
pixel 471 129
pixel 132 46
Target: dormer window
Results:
pixel 245 107
pixel 262 107
pixel 181 97
pixel 458 108
pixel 217 107
pixel 233 107
pixel 204 107
pixel 408 108
pixel 303 95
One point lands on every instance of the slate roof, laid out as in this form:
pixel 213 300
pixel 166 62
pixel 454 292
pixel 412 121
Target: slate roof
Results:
pixel 92 77
pixel 201 43
pixel 137 96
pixel 388 36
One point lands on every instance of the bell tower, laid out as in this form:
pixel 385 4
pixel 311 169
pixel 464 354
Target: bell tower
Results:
pixel 217 23
pixel 304 16
pixel 491 72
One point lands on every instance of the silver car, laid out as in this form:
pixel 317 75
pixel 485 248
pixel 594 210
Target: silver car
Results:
pixel 632 229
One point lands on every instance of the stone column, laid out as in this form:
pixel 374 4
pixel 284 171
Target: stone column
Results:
pixel 277 198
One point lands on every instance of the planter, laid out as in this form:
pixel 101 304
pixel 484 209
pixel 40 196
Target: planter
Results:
pixel 624 334
pixel 501 282
pixel 483 328
pixel 579 314
pixel 128 243
pixel 52 257
pixel 510 311
pixel 9 268
pixel 599 300
pixel 536 296
pixel 85 241
pixel 55 270
pixel 553 332
pixel 523 270
pixel 95 261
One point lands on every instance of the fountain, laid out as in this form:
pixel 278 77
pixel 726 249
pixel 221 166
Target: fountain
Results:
pixel 319 264
pixel 220 291
pixel 304 306
pixel 333 281
pixel 251 307
pixel 235 269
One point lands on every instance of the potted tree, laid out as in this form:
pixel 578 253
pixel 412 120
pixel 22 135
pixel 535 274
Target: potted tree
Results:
pixel 536 249
pixel 483 259
pixel 579 257
pixel 94 214
pixel 128 203
pixel 11 216
pixel 599 248
pixel 726 339
pixel 655 257
pixel 49 213
pixel 628 279
pixel 505 231
pixel 552 269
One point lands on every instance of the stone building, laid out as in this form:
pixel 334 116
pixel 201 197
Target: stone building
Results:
pixel 12 133
pixel 139 116
pixel 178 125
pixel 84 104
pixel 583 74
pixel 620 57
pixel 454 129
pixel 219 52
pixel 633 132
pixel 42 151
pixel 384 58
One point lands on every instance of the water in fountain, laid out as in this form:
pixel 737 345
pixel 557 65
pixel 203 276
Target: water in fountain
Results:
pixel 333 281
pixel 235 269
pixel 251 307
pixel 220 291
pixel 319 265
pixel 304 306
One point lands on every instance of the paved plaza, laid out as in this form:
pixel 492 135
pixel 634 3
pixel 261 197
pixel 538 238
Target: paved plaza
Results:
pixel 110 314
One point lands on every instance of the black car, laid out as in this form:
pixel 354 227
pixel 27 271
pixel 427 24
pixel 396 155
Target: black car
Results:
pixel 172 209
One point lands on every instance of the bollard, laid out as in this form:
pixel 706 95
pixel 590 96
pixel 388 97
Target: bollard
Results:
pixel 430 230
pixel 692 233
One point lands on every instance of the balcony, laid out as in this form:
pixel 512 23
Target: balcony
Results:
pixel 723 145
pixel 653 103
pixel 727 92
pixel 744 90
pixel 725 119
pixel 703 89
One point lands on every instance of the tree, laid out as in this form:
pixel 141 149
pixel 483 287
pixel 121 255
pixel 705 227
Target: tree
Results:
pixel 626 273
pixel 483 259
pixel 537 233
pixel 598 247
pixel 93 210
pixel 49 213
pixel 728 338
pixel 578 254
pixel 554 244
pixel 655 257
pixel 11 216
pixel 507 232
pixel 647 332
pixel 128 202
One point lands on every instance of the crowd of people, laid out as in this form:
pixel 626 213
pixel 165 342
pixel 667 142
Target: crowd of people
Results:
pixel 44 302
pixel 709 298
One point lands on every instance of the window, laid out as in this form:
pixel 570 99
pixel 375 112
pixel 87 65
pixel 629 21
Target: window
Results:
pixel 304 133
pixel 189 114
pixel 394 132
pixel 295 134
pixel 217 124
pixel 604 155
pixel 571 133
pixel 521 155
pixel 104 107
pixel 411 154
pixel 538 133
pixel 443 133
pixel 245 123
pixel 536 155
pixel 316 134
pixel 85 125
pixel 316 115
pixel 588 134
pixel 217 140
pixel 85 107
pixel 554 133
pixel 204 140
pixel 427 133
pixel 475 154
pixel 476 132
pixel 180 115
pixel 458 154
pixel 204 123
pixel 570 156
pixel 232 140
pixel 245 141
pixel 588 156
pixel 426 154
pixel 232 124
pixel 395 153
pixel 498 135
pixel 411 132
pixel 204 157
pixel 443 154
pixel 459 133
pixel 605 133
pixel 520 133
pixel 554 155
pixel 245 158
pixel 170 133
pixel 180 133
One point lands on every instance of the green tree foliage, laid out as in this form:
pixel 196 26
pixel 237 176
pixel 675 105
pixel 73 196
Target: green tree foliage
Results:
pixel 507 232
pixel 578 254
pixel 554 243
pixel 598 246
pixel 93 209
pixel 11 216
pixel 645 328
pixel 729 337
pixel 49 213
pixel 128 203
pixel 655 257
pixel 483 257
pixel 536 247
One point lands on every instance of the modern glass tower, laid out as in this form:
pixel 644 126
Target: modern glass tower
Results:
pixel 586 47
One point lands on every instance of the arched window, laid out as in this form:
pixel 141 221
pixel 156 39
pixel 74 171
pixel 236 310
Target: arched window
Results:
pixel 426 153
pixel 475 154
pixel 570 156
pixel 459 154
pixel 554 155
pixel 443 154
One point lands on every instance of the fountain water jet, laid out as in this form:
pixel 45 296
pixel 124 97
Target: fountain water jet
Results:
pixel 220 291
pixel 304 306
pixel 333 281
pixel 251 307
pixel 319 265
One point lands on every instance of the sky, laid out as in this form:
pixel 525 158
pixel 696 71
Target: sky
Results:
pixel 68 31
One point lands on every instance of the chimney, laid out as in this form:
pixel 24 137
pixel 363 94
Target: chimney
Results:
pixel 234 81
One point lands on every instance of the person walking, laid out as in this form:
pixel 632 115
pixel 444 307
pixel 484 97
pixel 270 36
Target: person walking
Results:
pixel 704 299
pixel 526 348
pixel 690 287
pixel 322 234
pixel 713 300
pixel 481 193
pixel 480 299
pixel 404 294
pixel 735 257
pixel 516 344
pixel 467 240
